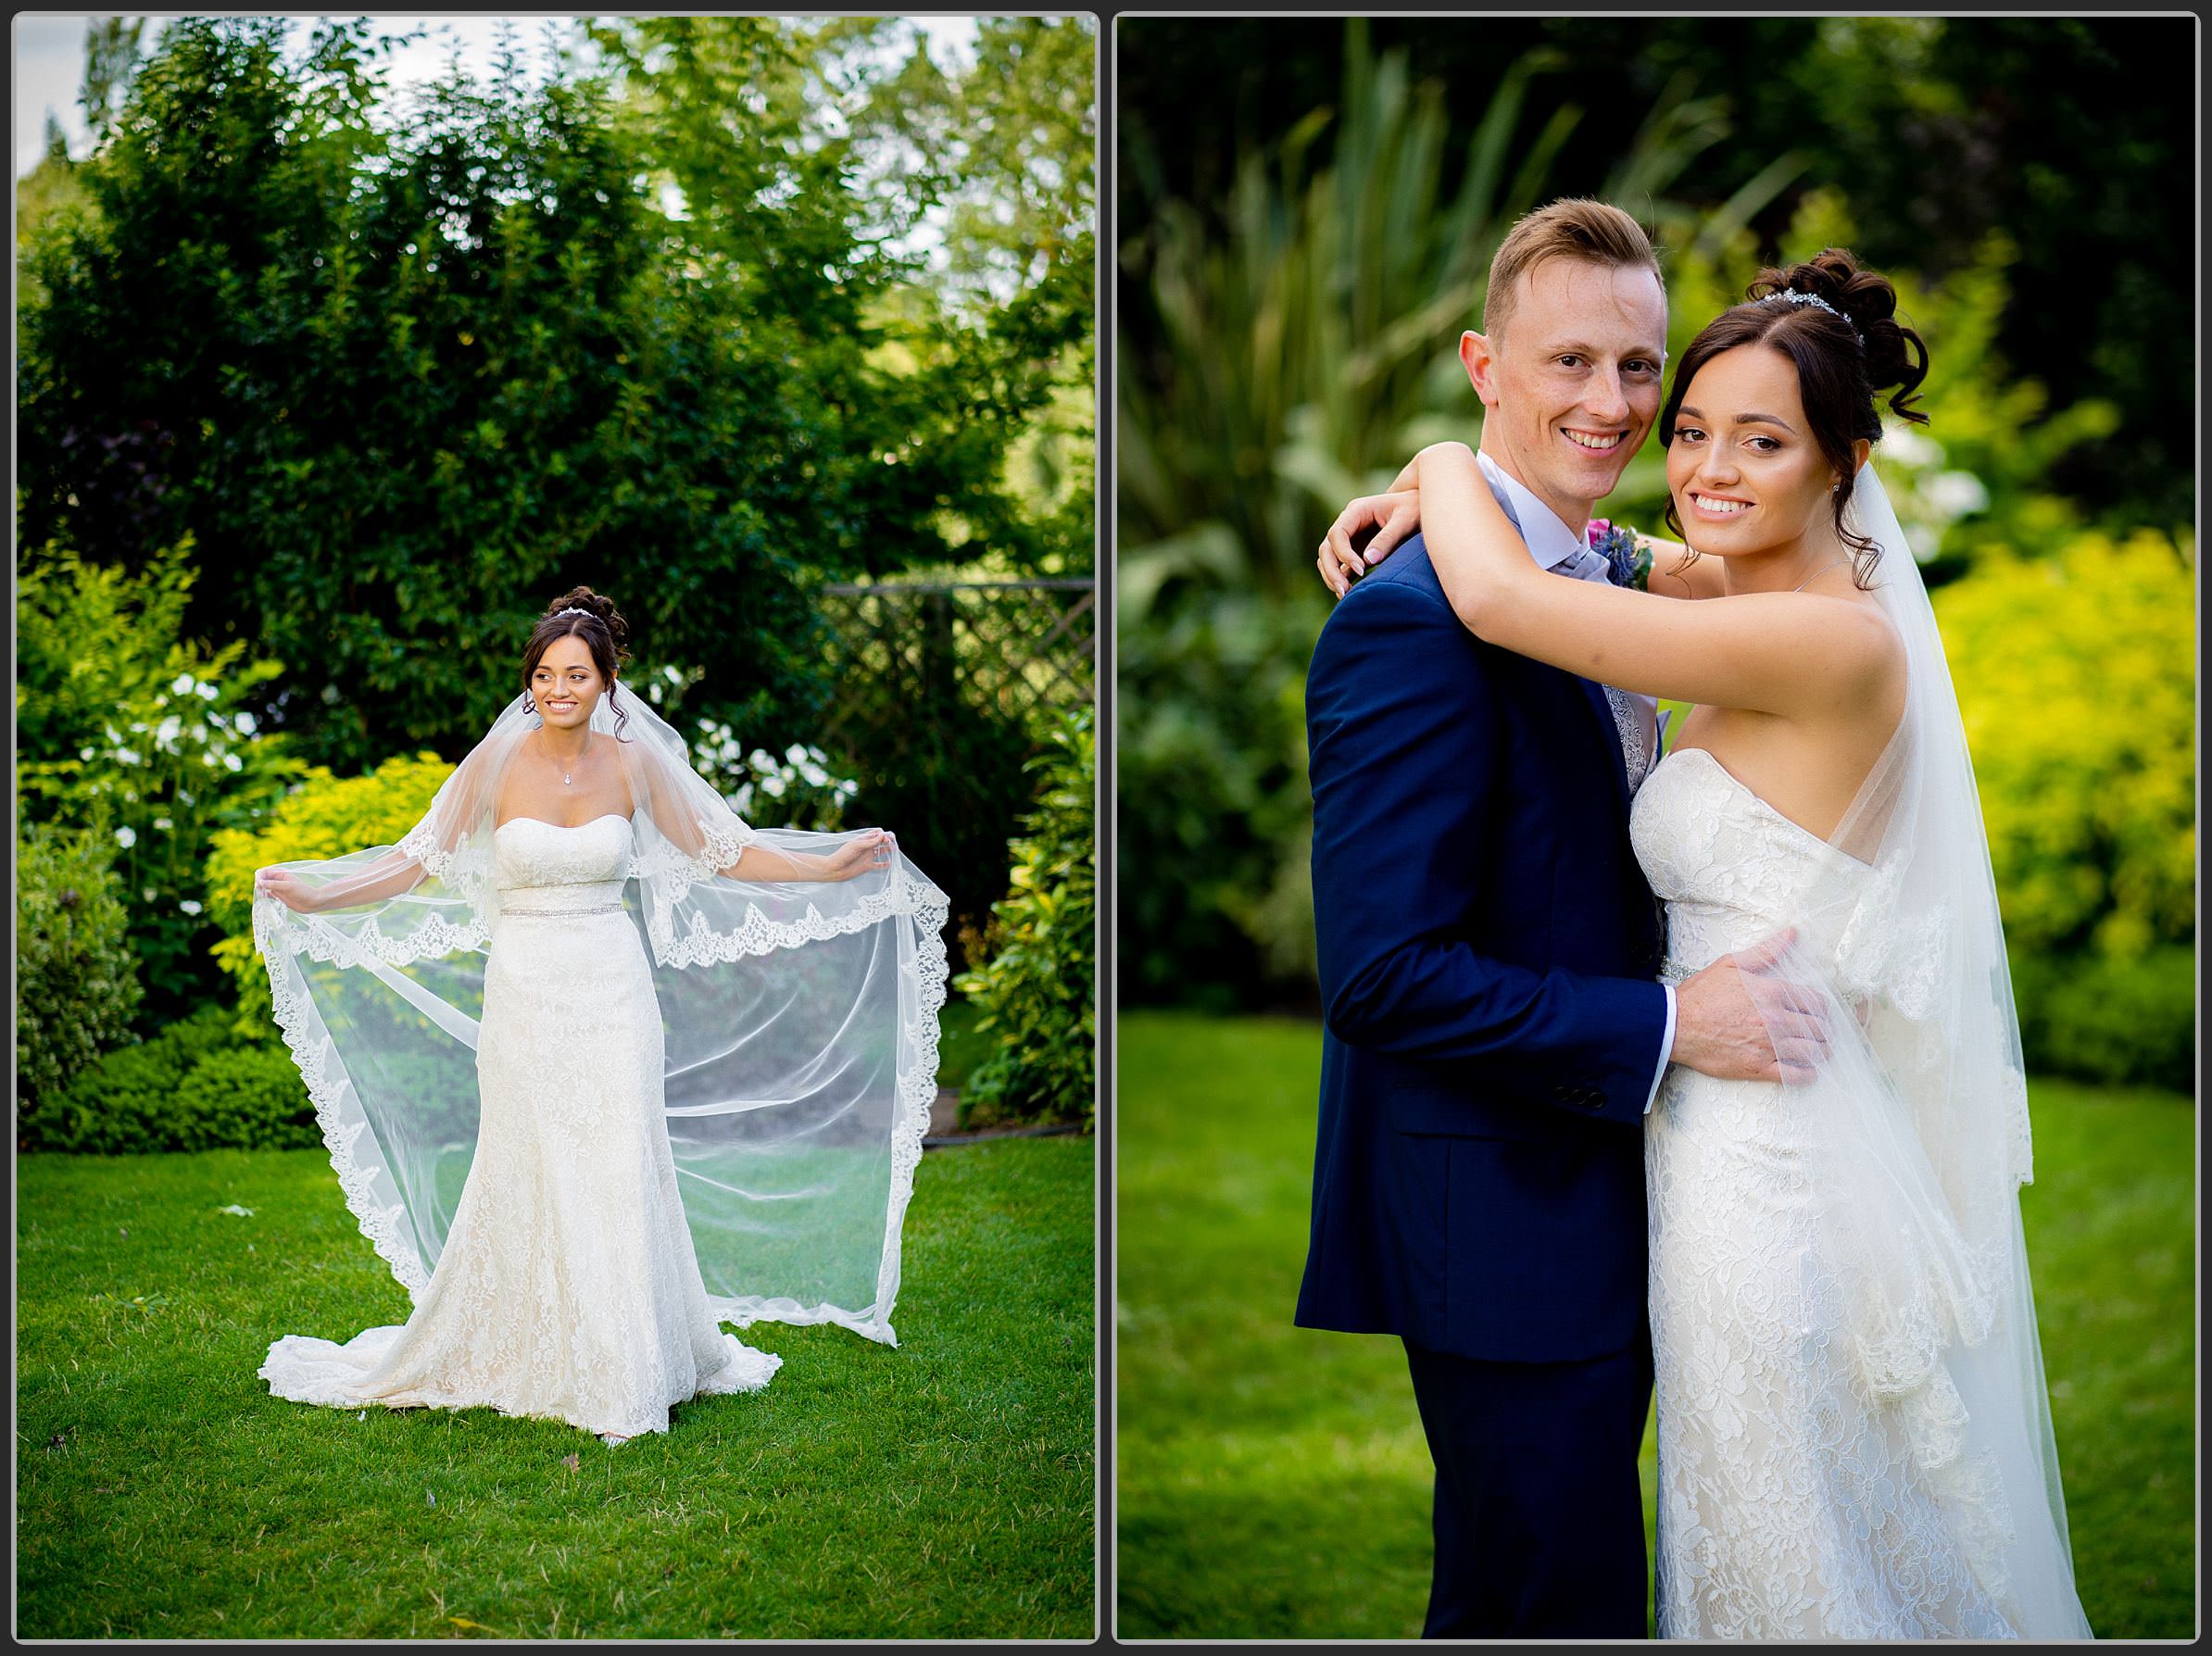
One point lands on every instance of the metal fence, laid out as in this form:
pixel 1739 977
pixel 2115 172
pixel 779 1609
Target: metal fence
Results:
pixel 942 694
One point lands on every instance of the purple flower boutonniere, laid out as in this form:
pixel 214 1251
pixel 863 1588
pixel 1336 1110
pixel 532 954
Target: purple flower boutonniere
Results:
pixel 1627 558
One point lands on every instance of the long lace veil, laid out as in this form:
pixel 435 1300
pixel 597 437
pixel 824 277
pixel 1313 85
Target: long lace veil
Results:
pixel 1921 1111
pixel 800 1023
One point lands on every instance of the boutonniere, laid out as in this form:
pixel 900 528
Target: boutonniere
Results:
pixel 1628 559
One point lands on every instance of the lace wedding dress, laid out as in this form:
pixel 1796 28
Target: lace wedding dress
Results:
pixel 1797 1498
pixel 568 1287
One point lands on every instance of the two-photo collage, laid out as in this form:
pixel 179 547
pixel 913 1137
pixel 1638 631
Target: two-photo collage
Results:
pixel 1086 828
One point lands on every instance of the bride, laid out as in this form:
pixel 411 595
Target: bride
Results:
pixel 637 1148
pixel 1854 1439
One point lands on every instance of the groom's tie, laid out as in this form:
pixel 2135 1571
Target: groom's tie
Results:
pixel 1635 718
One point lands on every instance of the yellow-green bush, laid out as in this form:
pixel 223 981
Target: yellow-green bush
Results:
pixel 323 817
pixel 2075 675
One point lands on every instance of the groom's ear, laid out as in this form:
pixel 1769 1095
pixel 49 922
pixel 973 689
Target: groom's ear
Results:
pixel 1481 363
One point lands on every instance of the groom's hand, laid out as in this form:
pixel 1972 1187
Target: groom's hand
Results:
pixel 1744 1018
pixel 1364 533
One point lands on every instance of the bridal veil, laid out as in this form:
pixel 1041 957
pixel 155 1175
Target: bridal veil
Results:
pixel 800 1023
pixel 1921 1114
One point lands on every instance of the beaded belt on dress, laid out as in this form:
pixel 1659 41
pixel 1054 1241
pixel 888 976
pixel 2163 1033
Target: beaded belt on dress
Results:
pixel 1672 970
pixel 563 899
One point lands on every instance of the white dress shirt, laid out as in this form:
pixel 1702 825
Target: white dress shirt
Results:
pixel 1553 545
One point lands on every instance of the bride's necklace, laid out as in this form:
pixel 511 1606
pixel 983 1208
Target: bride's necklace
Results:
pixel 1817 573
pixel 566 780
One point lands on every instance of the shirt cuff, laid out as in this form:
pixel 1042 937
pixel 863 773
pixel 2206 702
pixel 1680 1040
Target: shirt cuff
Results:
pixel 1667 1047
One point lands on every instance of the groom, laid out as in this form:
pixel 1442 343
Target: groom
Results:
pixel 1488 952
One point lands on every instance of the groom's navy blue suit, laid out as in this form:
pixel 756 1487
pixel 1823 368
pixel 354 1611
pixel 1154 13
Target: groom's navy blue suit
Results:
pixel 1488 956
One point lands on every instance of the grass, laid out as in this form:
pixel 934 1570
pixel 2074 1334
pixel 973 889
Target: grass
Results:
pixel 1274 1481
pixel 941 1489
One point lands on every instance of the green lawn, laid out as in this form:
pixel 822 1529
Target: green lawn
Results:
pixel 1273 1480
pixel 941 1489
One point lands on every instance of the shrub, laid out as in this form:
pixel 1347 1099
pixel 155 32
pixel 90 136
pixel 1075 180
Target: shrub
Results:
pixel 76 984
pixel 119 717
pixel 2111 1020
pixel 1035 989
pixel 323 817
pixel 193 1086
pixel 2076 675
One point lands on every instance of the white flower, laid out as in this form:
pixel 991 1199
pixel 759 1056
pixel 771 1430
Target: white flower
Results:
pixel 126 836
pixel 230 761
pixel 245 723
pixel 189 906
pixel 163 822
pixel 128 756
pixel 85 753
pixel 207 692
pixel 183 684
pixel 775 786
pixel 172 728
pixel 1954 494
pixel 794 754
pixel 742 800
pixel 1901 442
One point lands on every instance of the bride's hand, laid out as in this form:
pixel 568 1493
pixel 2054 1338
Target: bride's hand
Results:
pixel 862 853
pixel 1391 516
pixel 287 888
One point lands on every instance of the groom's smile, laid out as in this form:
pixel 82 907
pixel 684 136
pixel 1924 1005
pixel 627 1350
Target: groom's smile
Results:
pixel 1596 441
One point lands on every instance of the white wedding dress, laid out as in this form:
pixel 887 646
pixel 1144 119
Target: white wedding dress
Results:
pixel 1792 1502
pixel 568 1287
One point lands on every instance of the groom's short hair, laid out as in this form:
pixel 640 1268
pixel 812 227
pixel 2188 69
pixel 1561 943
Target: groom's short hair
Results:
pixel 1593 231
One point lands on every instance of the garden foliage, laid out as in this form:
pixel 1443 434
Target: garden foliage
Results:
pixel 438 370
pixel 122 720
pixel 76 975
pixel 196 1085
pixel 2074 676
pixel 1037 988
pixel 325 816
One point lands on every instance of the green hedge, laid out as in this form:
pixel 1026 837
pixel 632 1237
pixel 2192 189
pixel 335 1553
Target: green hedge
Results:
pixel 1036 991
pixel 2113 1020
pixel 193 1086
pixel 76 980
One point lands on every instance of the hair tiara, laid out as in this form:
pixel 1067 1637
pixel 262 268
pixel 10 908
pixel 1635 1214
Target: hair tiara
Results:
pixel 1798 296
pixel 572 609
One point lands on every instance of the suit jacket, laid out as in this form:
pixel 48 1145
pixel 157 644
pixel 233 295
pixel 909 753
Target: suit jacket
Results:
pixel 1488 952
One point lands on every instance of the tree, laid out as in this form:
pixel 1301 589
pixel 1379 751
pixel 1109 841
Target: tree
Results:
pixel 418 380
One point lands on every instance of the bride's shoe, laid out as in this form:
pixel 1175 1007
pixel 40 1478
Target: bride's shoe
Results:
pixel 611 1438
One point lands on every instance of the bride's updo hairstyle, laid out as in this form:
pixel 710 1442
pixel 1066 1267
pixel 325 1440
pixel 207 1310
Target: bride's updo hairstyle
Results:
pixel 601 627
pixel 1838 324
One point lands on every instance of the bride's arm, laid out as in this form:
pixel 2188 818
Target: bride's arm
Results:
pixel 856 856
pixel 758 863
pixel 1394 516
pixel 392 875
pixel 1792 654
